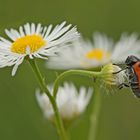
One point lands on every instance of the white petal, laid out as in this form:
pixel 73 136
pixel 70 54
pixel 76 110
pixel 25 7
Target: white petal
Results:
pixel 10 35
pixel 27 29
pixel 14 70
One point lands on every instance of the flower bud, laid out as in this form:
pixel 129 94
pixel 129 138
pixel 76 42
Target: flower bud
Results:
pixel 112 75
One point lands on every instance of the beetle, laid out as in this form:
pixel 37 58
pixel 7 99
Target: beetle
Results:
pixel 133 74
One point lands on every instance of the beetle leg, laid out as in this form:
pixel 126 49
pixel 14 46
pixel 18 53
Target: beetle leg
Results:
pixel 126 85
pixel 120 86
pixel 134 83
pixel 119 71
pixel 123 85
pixel 131 75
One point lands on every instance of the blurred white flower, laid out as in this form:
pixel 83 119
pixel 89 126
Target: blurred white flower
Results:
pixel 85 54
pixel 127 45
pixel 71 103
pixel 34 41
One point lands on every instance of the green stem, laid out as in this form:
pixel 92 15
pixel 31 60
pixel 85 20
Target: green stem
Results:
pixel 94 117
pixel 70 72
pixel 59 123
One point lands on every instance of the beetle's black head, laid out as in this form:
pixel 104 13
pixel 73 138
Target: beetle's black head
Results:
pixel 131 60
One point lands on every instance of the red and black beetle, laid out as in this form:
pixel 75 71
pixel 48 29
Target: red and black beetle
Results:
pixel 133 74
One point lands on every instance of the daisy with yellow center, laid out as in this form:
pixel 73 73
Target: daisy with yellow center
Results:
pixel 83 54
pixel 86 54
pixel 34 41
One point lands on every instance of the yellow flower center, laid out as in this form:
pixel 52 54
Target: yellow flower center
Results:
pixel 33 42
pixel 97 54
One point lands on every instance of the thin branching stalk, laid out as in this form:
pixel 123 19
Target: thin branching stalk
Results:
pixel 90 74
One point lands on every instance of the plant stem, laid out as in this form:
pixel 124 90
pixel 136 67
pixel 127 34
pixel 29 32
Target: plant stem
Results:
pixel 94 117
pixel 70 72
pixel 59 123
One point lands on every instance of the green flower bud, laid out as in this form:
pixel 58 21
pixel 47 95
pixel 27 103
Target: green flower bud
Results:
pixel 110 76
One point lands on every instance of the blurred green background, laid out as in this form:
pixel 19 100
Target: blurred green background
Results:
pixel 20 117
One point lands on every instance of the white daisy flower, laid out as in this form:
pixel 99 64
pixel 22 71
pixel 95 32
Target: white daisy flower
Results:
pixel 71 103
pixel 34 41
pixel 85 54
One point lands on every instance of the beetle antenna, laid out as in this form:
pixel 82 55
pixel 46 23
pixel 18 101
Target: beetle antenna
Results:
pixel 120 71
pixel 119 64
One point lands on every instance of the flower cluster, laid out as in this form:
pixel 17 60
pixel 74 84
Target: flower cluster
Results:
pixel 64 49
